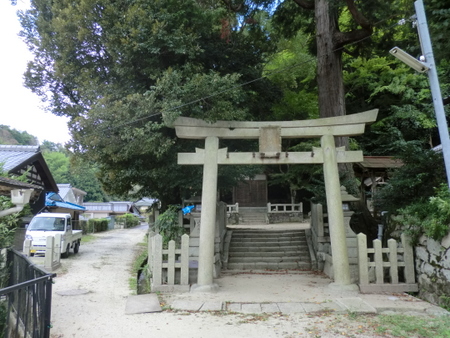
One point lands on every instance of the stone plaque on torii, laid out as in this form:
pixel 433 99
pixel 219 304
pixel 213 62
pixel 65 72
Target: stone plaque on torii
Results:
pixel 270 135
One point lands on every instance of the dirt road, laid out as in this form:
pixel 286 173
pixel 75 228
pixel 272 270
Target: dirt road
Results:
pixel 92 288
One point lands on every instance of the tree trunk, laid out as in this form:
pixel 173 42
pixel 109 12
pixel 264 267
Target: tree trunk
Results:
pixel 332 95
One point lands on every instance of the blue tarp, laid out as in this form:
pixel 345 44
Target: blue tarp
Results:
pixel 54 200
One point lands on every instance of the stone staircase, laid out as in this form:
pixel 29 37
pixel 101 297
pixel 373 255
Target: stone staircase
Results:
pixel 255 215
pixel 268 250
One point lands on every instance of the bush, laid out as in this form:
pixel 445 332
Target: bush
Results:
pixel 96 225
pixel 129 220
pixel 167 225
pixel 430 217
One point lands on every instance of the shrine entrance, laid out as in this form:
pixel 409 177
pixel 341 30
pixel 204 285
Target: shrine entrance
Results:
pixel 270 135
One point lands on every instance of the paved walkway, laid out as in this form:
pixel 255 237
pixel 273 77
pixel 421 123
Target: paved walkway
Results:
pixel 381 305
pixel 291 292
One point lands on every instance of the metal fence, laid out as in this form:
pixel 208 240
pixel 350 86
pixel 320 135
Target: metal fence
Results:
pixel 26 302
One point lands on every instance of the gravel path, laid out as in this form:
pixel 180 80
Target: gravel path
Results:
pixel 92 288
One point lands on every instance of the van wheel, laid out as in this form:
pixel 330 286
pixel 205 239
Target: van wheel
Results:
pixel 76 248
pixel 66 254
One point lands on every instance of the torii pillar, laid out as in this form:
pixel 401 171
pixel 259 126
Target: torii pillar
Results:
pixel 270 135
pixel 208 217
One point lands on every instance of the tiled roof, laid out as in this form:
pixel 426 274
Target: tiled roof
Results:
pixel 6 184
pixel 380 162
pixel 12 156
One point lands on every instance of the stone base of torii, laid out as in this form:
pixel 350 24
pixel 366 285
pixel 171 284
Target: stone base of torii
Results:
pixel 270 135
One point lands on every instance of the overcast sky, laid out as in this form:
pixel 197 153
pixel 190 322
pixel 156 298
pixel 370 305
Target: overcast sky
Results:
pixel 20 109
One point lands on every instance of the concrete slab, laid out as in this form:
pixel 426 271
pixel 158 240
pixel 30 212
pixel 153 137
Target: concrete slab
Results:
pixel 212 306
pixel 142 304
pixel 234 307
pixel 312 307
pixel 332 306
pixel 251 308
pixel 288 308
pixel 356 304
pixel 270 308
pixel 187 305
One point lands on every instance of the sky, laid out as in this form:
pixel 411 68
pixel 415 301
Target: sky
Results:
pixel 20 109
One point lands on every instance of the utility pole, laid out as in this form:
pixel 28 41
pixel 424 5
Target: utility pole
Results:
pixel 427 64
pixel 427 51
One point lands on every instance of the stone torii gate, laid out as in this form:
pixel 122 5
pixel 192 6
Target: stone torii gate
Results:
pixel 270 135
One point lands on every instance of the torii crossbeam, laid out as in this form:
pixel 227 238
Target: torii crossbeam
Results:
pixel 270 135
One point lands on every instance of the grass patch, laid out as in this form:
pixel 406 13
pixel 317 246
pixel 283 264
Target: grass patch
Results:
pixel 87 238
pixel 139 259
pixel 410 326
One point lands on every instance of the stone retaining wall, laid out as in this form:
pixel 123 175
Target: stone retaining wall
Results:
pixel 433 270
pixel 285 217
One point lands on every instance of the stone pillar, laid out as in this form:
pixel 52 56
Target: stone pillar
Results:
pixel 339 251
pixel 208 218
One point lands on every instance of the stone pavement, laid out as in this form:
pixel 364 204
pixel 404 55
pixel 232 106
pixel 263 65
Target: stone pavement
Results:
pixel 294 292
pixel 381 304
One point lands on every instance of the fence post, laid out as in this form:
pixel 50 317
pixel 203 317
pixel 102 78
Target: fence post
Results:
pixel 157 259
pixel 393 271
pixel 408 257
pixel 171 263
pixel 151 234
pixel 49 247
pixel 268 207
pixel 184 276
pixel 378 257
pixel 27 247
pixel 57 249
pixel 362 259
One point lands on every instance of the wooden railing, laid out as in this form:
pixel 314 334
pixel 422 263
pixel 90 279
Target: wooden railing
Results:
pixel 397 261
pixel 168 268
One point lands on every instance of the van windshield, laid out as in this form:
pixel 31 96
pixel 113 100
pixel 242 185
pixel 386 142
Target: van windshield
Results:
pixel 47 224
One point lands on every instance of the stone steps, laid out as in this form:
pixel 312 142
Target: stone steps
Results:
pixel 268 250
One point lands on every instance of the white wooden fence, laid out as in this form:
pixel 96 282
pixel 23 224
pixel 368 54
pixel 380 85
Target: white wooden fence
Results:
pixel 287 207
pixel 168 268
pixel 387 262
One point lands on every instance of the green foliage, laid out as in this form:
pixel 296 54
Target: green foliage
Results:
pixel 429 216
pixel 13 136
pixel 422 171
pixel 413 326
pixel 58 164
pixel 167 225
pixel 129 220
pixel 115 67
pixel 96 225
pixel 8 225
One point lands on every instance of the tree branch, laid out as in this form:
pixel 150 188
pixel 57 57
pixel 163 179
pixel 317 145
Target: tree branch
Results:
pixel 343 38
pixel 306 4
pixel 231 7
pixel 357 16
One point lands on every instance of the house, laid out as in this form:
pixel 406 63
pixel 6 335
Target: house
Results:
pixel 71 194
pixel 55 203
pixel 18 160
pixel 106 209
pixel 145 204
